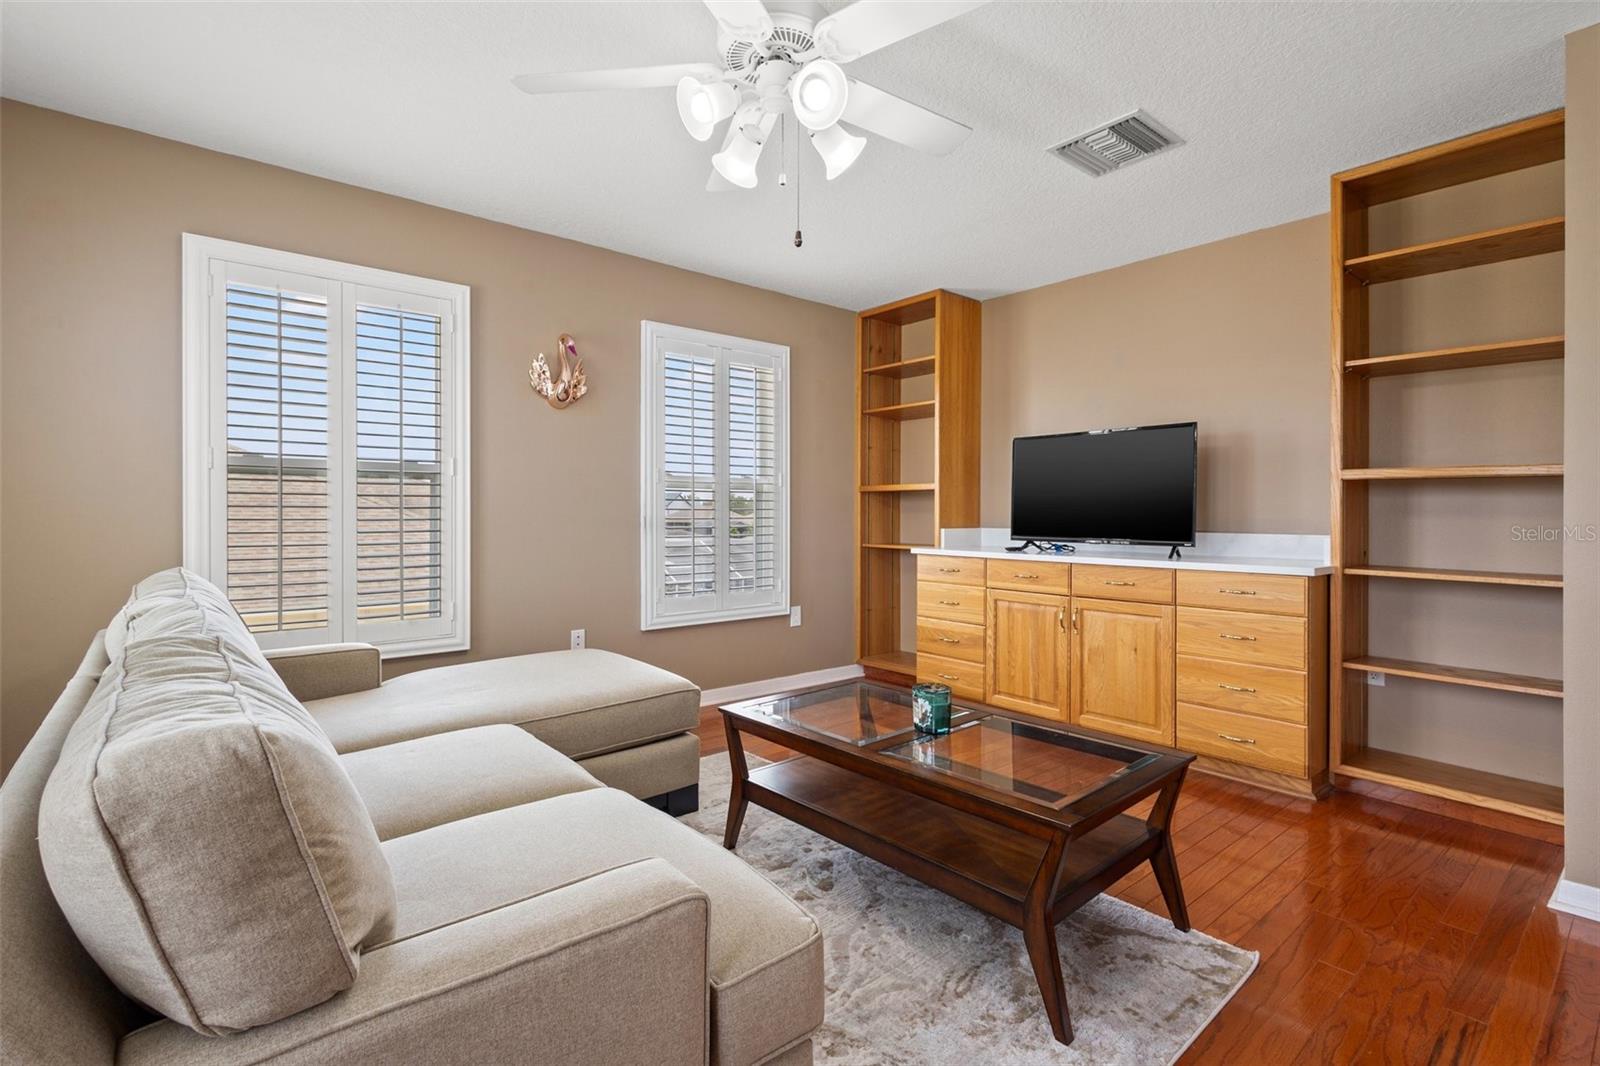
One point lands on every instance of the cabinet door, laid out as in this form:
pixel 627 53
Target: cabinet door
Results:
pixel 1029 653
pixel 1122 668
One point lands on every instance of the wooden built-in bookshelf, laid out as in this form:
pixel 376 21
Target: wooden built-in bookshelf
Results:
pixel 891 399
pixel 1355 268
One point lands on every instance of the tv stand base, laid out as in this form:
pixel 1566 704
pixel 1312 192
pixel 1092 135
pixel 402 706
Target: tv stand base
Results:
pixel 1174 553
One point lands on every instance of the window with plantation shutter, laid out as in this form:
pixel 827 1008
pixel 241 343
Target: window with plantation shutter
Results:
pixel 325 447
pixel 713 478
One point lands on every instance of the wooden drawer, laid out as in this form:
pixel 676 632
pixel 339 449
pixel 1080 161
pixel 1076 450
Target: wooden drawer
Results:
pixel 951 603
pixel 965 679
pixel 952 640
pixel 1243 738
pixel 950 569
pixel 1138 583
pixel 1262 690
pixel 1265 593
pixel 1259 639
pixel 1027 575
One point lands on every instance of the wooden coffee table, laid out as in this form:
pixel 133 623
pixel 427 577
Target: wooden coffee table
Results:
pixel 1022 821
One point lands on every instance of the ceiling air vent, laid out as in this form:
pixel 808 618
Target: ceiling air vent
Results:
pixel 1115 145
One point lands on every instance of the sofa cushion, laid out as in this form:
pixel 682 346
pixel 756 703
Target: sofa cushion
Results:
pixel 175 602
pixel 765 960
pixel 579 702
pixel 418 784
pixel 205 844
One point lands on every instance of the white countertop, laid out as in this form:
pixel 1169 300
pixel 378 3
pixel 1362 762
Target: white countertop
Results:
pixel 1241 553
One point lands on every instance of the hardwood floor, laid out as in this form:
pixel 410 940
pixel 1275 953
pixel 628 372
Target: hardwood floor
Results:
pixel 1387 934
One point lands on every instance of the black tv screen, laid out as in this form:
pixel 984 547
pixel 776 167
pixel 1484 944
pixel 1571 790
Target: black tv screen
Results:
pixel 1134 486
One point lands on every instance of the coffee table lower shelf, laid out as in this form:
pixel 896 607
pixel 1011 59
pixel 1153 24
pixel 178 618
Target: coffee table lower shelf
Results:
pixel 980 862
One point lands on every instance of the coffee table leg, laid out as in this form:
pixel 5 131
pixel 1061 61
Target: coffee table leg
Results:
pixel 741 773
pixel 1164 863
pixel 1039 934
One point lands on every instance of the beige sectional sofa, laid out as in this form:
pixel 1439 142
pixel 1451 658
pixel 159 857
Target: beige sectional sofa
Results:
pixel 197 867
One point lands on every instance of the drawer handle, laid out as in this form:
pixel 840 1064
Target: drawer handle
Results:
pixel 951 603
pixel 1233 636
pixel 956 677
pixel 1237 592
pixel 1235 688
pixel 1125 584
pixel 949 569
pixel 1236 740
pixel 1026 577
pixel 953 640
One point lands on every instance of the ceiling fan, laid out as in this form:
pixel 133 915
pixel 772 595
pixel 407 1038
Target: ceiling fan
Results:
pixel 787 60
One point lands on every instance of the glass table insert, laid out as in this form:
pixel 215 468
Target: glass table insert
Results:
pixel 859 714
pixel 1033 762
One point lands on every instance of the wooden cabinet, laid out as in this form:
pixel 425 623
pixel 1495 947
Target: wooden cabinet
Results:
pixel 1226 665
pixel 1122 668
pixel 1028 652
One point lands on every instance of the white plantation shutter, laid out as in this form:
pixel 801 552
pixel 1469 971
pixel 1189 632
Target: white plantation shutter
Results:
pixel 325 447
pixel 713 478
pixel 277 532
pixel 399 466
pixel 753 510
pixel 689 498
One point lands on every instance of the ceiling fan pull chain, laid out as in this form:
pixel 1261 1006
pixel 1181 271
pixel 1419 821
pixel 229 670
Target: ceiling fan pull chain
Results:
pixel 799 239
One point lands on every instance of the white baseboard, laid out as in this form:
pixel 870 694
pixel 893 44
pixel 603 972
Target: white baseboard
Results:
pixel 713 697
pixel 1572 897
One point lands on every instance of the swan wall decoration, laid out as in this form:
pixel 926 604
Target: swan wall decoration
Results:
pixel 567 389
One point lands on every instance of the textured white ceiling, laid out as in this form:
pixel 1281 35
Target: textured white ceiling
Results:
pixel 415 99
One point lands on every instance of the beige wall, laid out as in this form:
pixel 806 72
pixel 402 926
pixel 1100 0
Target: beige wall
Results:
pixel 1233 335
pixel 90 217
pixel 1581 554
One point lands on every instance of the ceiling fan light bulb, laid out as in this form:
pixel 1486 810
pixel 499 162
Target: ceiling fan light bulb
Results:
pixel 702 105
pixel 839 150
pixel 819 93
pixel 815 92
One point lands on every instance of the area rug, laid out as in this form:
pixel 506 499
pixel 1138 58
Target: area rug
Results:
pixel 916 977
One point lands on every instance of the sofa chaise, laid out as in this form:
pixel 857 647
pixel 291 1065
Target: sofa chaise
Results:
pixel 198 867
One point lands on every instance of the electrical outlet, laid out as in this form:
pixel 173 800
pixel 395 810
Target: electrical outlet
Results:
pixel 1375 678
pixel 794 617
pixel 578 639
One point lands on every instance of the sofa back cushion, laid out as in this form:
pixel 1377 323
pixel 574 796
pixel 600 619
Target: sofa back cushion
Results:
pixel 200 834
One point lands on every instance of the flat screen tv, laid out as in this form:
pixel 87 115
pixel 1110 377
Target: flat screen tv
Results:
pixel 1115 486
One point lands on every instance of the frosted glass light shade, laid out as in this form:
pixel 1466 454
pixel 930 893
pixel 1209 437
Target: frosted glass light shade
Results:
pixel 838 149
pixel 737 160
pixel 701 105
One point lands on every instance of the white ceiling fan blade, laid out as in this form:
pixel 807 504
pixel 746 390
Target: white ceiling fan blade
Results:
pixel 576 81
pixel 913 125
pixel 746 20
pixel 868 25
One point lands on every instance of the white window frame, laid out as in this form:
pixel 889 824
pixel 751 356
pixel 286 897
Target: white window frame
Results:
pixel 727 609
pixel 204 439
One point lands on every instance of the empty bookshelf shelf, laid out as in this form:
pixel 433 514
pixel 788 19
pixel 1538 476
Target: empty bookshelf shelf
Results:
pixel 902 412
pixel 1512 795
pixel 1425 473
pixel 1458 675
pixel 1469 577
pixel 905 368
pixel 1476 249
pixel 1526 351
